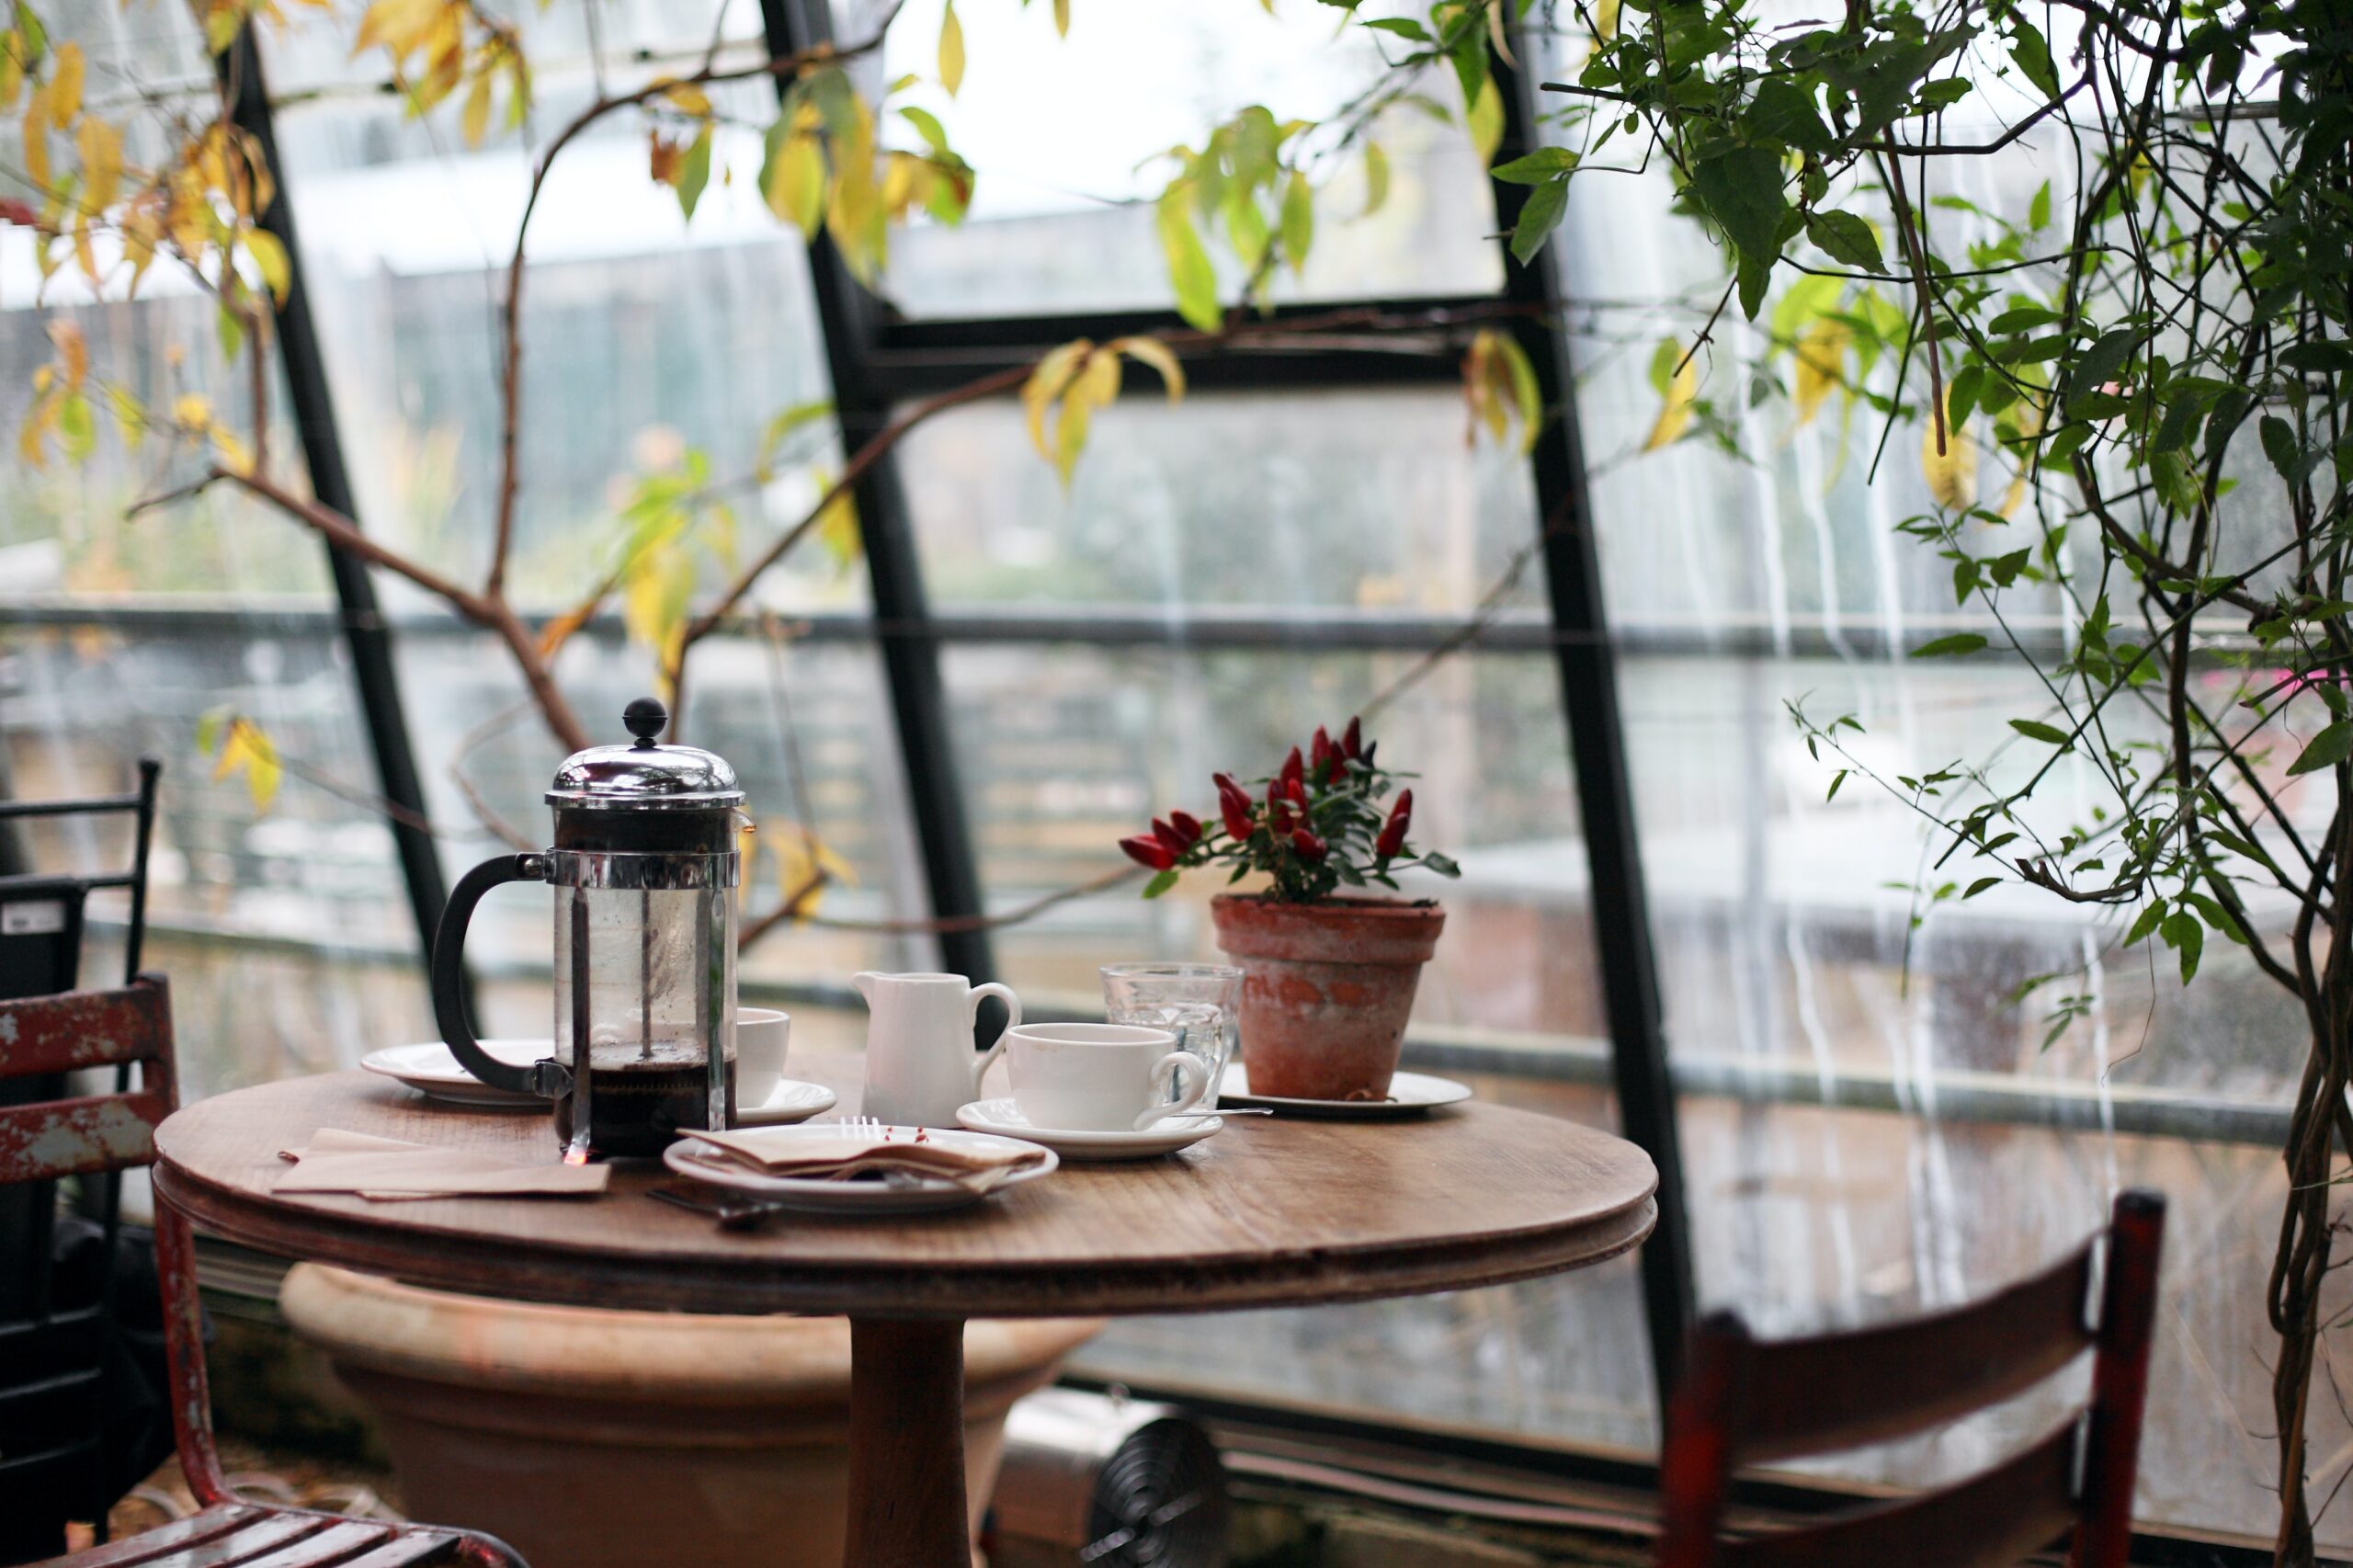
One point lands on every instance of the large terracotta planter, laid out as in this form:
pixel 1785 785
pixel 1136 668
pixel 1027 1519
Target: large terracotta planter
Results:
pixel 591 1438
pixel 1326 988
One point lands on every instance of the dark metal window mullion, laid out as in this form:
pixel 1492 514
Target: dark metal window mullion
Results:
pixel 847 315
pixel 365 636
pixel 1646 1109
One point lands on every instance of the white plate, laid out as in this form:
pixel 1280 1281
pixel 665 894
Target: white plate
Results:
pixel 1410 1094
pixel 1004 1117
pixel 925 1194
pixel 430 1069
pixel 790 1101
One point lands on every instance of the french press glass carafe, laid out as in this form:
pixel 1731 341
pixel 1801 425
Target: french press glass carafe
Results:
pixel 644 868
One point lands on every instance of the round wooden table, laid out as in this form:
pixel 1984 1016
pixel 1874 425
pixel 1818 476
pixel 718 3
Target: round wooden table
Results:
pixel 1270 1212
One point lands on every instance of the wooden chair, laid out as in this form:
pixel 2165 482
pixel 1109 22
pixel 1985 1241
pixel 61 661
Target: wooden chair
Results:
pixel 46 1425
pixel 1743 1401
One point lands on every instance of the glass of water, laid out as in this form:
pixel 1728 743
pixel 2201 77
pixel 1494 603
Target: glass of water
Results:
pixel 1200 1003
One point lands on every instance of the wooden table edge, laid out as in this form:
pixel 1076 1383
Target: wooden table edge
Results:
pixel 449 1261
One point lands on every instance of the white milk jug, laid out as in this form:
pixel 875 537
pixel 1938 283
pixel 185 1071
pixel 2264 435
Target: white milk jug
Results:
pixel 920 1065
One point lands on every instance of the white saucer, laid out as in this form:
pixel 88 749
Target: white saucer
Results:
pixel 791 1100
pixel 431 1070
pixel 920 1195
pixel 1410 1094
pixel 1003 1117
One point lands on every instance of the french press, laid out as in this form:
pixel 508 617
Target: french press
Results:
pixel 645 867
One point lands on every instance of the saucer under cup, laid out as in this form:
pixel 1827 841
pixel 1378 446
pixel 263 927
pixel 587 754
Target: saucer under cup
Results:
pixel 1003 1117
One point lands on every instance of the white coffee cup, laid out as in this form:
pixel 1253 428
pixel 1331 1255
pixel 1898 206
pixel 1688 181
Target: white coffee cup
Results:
pixel 1100 1077
pixel 761 1035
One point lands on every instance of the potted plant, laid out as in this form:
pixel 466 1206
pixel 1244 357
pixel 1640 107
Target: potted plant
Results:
pixel 1329 966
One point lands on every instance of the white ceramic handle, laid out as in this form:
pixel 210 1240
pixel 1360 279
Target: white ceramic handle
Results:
pixel 1177 1065
pixel 1012 1017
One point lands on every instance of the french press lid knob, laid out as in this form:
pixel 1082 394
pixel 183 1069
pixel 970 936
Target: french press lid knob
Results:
pixel 646 776
pixel 646 719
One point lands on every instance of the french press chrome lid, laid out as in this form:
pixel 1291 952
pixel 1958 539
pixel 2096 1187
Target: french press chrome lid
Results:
pixel 646 776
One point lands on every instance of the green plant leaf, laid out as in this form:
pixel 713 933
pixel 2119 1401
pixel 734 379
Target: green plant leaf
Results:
pixel 1539 216
pixel 1959 642
pixel 1741 189
pixel 2182 933
pixel 2035 729
pixel 2326 749
pixel 1842 236
pixel 1189 271
pixel 1161 883
pixel 1536 167
pixel 694 172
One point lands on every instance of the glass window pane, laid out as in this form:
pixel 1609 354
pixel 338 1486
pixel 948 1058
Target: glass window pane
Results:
pixel 1350 506
pixel 1067 136
pixel 653 349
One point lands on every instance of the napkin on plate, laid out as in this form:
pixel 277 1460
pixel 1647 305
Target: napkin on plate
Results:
pixel 336 1161
pixel 819 1154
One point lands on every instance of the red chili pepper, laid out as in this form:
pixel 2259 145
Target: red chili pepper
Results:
pixel 1279 808
pixel 19 213
pixel 1227 790
pixel 1293 768
pixel 1323 760
pixel 1352 739
pixel 1171 836
pixel 1187 824
pixel 1148 851
pixel 1235 807
pixel 1392 831
pixel 1297 791
pixel 1309 847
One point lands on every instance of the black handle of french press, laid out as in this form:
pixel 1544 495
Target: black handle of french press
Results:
pixel 448 978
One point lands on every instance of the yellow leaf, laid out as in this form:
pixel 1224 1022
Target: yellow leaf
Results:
pixel 654 602
pixel 1675 410
pixel 1154 353
pixel 1046 383
pixel 796 188
pixel 837 529
pixel 1605 25
pixel 12 70
pixel 38 419
pixel 246 748
pixel 1821 365
pixel 689 99
pixel 1062 18
pixel 951 51
pixel 663 158
pixel 73 350
pixel 474 121
pixel 1485 120
pixel 1951 474
pixel 129 417
pixel 65 85
pixel 558 631
pixel 261 766
pixel 232 454
pixel 100 145
pixel 37 138
pixel 85 254
pixel 270 260
pixel 1095 386
pixel 401 26
pixel 1376 179
pixel 192 411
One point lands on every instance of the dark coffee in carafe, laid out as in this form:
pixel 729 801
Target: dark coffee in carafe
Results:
pixel 637 1108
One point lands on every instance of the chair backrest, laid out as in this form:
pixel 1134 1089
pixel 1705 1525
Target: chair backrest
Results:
pixel 1745 1401
pixel 54 1358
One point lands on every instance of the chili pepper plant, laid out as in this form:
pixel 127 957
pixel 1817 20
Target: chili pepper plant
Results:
pixel 1315 825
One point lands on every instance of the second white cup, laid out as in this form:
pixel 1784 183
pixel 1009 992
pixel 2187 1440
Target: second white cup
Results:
pixel 1101 1077
pixel 762 1035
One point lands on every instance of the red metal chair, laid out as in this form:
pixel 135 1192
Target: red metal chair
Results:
pixel 53 1139
pixel 1744 1402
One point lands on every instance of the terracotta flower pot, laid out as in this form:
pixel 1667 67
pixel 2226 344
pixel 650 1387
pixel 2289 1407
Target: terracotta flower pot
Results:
pixel 1326 988
pixel 595 1439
